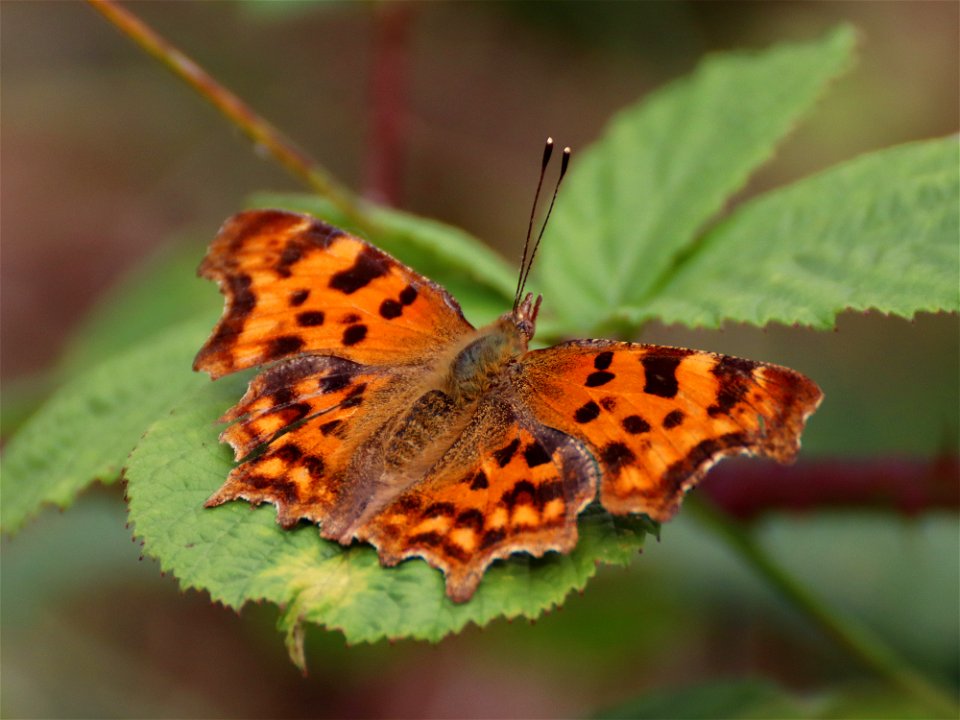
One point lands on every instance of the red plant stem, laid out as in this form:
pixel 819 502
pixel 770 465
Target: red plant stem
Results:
pixel 748 490
pixel 262 133
pixel 388 101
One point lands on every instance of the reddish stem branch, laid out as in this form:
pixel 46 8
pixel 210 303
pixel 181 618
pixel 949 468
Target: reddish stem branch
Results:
pixel 747 490
pixel 388 100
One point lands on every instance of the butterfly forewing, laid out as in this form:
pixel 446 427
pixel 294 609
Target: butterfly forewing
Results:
pixel 296 285
pixel 656 418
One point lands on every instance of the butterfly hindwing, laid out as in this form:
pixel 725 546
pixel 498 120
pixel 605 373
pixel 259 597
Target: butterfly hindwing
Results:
pixel 307 441
pixel 656 418
pixel 507 485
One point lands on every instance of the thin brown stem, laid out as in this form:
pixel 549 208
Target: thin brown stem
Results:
pixel 261 133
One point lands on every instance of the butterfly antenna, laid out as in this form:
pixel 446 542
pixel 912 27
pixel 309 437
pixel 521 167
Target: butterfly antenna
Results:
pixel 547 152
pixel 564 163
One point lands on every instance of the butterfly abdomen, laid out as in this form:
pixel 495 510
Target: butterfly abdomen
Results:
pixel 428 420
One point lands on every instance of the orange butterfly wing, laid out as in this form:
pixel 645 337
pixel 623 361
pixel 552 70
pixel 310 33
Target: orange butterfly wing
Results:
pixel 657 418
pixel 351 333
pixel 508 484
pixel 365 421
pixel 313 414
pixel 296 285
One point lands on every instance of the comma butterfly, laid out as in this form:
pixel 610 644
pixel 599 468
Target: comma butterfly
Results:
pixel 386 417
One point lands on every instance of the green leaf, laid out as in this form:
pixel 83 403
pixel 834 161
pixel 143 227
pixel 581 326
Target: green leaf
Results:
pixel 238 554
pixel 878 232
pixel 87 429
pixel 481 281
pixel 162 291
pixel 159 292
pixel 634 201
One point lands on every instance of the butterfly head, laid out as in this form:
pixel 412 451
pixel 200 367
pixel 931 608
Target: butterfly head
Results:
pixel 524 318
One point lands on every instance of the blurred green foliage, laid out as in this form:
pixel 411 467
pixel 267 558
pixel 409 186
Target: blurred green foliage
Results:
pixel 89 632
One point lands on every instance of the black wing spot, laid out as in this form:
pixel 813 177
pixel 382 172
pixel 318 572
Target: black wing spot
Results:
pixel 354 334
pixel 522 493
pixel 296 411
pixel 492 537
pixel 328 427
pixel 673 419
pixel 333 383
pixel 282 396
pixel 437 509
pixel 471 518
pixel 284 345
pixel 290 255
pixel 354 397
pixel 408 295
pixel 603 360
pixel 661 375
pixel 315 466
pixel 430 539
pixel 320 234
pixel 244 300
pixel 535 455
pixel 310 318
pixel 598 378
pixel 734 375
pixel 456 552
pixel 368 266
pixel 288 453
pixel 680 471
pixel 587 412
pixel 505 454
pixel 390 309
pixel 479 481
pixel 298 297
pixel 635 425
pixel 409 503
pixel 616 456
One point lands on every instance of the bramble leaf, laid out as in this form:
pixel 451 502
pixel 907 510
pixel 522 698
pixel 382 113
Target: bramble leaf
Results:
pixel 635 200
pixel 879 232
pixel 89 426
pixel 238 554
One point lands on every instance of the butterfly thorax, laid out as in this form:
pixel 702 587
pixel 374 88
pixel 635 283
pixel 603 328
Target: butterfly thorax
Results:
pixel 483 363
pixel 478 368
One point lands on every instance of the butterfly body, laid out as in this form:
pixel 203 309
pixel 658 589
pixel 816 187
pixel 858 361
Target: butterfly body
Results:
pixel 384 416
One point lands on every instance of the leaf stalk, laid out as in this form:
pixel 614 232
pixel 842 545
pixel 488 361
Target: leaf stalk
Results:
pixel 856 639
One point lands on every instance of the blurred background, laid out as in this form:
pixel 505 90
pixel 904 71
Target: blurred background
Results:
pixel 107 160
